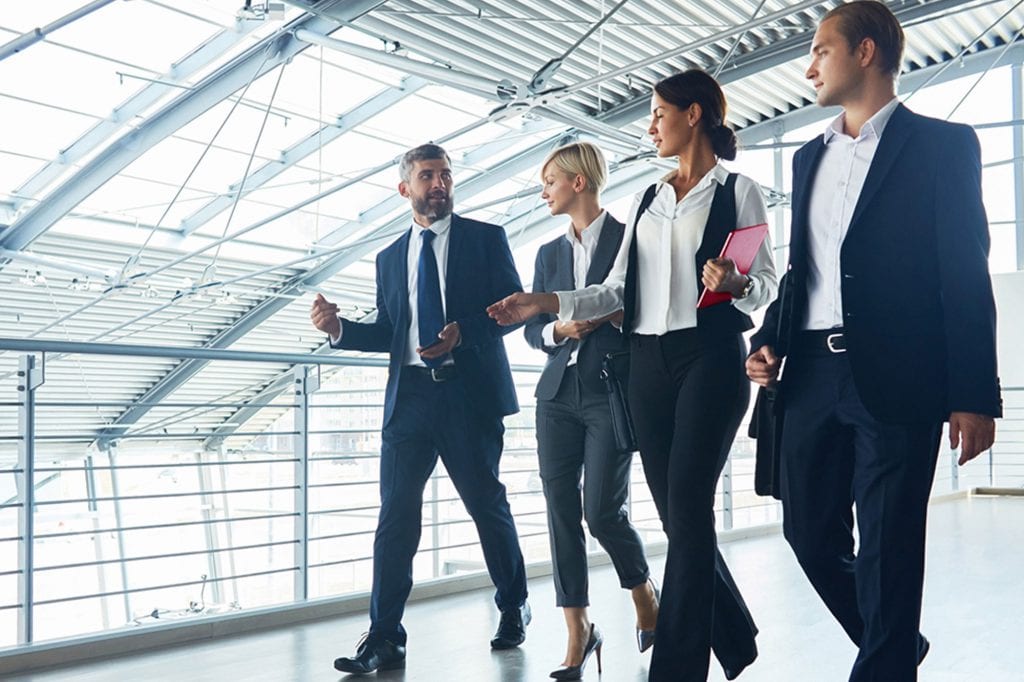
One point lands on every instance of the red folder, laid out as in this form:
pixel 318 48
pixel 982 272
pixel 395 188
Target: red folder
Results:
pixel 740 246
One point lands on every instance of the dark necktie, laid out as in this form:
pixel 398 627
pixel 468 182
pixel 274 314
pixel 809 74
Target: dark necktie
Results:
pixel 428 297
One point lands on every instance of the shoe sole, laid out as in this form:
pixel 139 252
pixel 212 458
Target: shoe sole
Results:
pixel 397 665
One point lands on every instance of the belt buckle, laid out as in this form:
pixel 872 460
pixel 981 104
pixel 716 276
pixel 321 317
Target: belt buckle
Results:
pixel 435 376
pixel 830 342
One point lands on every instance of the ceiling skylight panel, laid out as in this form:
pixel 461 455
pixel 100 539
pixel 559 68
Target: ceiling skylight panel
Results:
pixel 36 130
pixel 355 153
pixel 138 33
pixel 66 79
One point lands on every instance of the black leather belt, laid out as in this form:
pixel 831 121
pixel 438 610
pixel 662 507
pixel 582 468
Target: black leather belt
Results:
pixel 820 342
pixel 435 374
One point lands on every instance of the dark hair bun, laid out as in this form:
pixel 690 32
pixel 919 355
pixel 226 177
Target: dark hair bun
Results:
pixel 723 142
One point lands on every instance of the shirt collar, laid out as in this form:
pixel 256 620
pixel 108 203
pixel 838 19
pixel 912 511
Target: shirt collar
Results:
pixel 873 127
pixel 593 229
pixel 438 227
pixel 718 174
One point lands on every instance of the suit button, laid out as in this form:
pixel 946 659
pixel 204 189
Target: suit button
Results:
pixel 847 276
pixel 848 316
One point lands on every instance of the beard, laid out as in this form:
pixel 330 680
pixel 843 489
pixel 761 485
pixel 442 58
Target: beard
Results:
pixel 435 205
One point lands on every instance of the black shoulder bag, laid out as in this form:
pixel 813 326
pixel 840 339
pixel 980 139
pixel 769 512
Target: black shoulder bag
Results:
pixel 615 366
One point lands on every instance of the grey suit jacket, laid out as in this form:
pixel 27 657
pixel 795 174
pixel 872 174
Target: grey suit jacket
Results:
pixel 553 272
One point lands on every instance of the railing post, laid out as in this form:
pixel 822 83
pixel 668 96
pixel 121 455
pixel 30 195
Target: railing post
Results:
pixel 225 507
pixel 954 471
pixel 306 383
pixel 727 502
pixel 208 511
pixel 29 379
pixel 115 489
pixel 435 517
pixel 97 538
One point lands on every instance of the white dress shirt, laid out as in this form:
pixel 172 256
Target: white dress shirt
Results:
pixel 835 190
pixel 582 254
pixel 670 233
pixel 442 228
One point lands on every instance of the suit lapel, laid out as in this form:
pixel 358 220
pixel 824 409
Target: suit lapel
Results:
pixel 896 132
pixel 607 248
pixel 803 185
pixel 400 256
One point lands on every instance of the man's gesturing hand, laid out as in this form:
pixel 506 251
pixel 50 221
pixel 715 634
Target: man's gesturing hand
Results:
pixel 324 316
pixel 448 338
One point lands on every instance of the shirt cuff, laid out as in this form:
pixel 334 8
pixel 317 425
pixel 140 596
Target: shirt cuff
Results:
pixel 548 335
pixel 748 304
pixel 335 340
pixel 566 305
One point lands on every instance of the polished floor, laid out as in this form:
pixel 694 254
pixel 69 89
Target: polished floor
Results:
pixel 973 614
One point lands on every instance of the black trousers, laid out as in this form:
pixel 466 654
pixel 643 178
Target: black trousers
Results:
pixel 688 393
pixel 574 440
pixel 836 455
pixel 433 419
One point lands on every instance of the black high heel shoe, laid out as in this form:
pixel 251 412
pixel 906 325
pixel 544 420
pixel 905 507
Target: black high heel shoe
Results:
pixel 575 672
pixel 645 638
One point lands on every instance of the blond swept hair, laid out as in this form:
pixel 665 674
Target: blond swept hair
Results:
pixel 580 158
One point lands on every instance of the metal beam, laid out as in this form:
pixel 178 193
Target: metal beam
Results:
pixel 487 88
pixel 106 129
pixel 302 149
pixel 267 55
pixel 32 37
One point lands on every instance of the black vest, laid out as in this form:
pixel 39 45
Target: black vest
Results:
pixel 720 318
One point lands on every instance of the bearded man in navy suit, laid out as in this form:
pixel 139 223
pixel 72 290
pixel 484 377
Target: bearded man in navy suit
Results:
pixel 887 322
pixel 449 386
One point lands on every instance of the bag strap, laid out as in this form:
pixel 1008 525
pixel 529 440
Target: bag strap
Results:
pixel 629 292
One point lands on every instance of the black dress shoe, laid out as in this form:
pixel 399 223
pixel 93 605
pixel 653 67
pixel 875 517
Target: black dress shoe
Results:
pixel 923 647
pixel 512 627
pixel 371 655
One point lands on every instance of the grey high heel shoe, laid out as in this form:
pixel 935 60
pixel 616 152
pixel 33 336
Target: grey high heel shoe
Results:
pixel 645 638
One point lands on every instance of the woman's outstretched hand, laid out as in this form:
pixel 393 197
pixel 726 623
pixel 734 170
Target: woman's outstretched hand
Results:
pixel 519 307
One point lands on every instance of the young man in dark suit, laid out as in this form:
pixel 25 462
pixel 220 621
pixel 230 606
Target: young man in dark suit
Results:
pixel 449 386
pixel 888 330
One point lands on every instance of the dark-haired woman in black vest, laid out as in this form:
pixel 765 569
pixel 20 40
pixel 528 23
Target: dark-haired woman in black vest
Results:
pixel 688 390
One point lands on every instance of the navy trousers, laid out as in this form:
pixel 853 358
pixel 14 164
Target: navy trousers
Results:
pixel 836 455
pixel 431 420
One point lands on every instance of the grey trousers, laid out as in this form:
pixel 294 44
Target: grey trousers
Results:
pixel 574 442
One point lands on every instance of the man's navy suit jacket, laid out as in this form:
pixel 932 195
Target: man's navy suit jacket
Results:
pixel 480 271
pixel 918 309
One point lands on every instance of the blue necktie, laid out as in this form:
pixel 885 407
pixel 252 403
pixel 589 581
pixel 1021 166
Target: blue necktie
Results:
pixel 429 311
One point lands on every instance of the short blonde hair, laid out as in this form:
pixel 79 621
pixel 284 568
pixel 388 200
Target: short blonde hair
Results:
pixel 580 158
